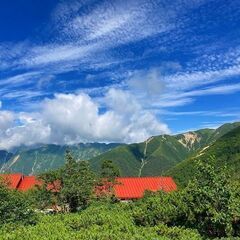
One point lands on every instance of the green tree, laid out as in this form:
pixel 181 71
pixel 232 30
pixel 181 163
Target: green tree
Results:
pixel 13 206
pixel 211 204
pixel 78 183
pixel 70 188
pixel 109 170
pixel 109 173
pixel 159 208
pixel 48 193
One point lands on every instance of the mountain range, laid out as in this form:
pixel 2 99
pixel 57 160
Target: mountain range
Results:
pixel 38 159
pixel 158 155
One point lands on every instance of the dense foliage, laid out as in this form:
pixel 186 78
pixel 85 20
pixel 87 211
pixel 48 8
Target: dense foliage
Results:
pixel 98 222
pixel 14 207
pixel 210 204
pixel 69 188
pixel 77 183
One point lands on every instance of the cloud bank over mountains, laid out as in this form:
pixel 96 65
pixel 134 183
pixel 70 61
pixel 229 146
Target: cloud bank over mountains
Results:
pixel 74 118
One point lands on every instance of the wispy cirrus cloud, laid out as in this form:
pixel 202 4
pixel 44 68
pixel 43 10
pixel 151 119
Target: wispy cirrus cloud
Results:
pixel 82 32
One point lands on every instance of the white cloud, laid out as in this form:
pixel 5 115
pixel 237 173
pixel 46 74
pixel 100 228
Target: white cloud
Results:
pixel 6 120
pixel 214 90
pixel 71 118
pixel 29 133
pixel 91 35
pixel 20 79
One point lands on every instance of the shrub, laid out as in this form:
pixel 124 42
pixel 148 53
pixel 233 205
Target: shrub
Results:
pixel 102 222
pixel 158 208
pixel 14 208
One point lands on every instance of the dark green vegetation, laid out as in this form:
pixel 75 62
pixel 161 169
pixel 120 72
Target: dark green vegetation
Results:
pixel 13 207
pixel 69 188
pixel 99 222
pixel 206 205
pixel 208 208
pixel 226 152
pixel 159 154
pixel 32 161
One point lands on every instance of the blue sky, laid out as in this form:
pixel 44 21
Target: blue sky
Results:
pixel 121 71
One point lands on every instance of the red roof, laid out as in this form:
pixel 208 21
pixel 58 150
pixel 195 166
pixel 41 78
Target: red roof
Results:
pixel 12 179
pixel 28 182
pixel 134 187
pixel 124 188
pixel 19 181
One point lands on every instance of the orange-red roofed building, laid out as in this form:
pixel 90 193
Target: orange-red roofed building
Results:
pixel 28 182
pixel 20 182
pixel 124 188
pixel 134 187
pixel 12 180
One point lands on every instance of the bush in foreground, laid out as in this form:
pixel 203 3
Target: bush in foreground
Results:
pixel 13 207
pixel 105 222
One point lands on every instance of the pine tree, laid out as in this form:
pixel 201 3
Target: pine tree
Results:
pixel 109 170
pixel 78 183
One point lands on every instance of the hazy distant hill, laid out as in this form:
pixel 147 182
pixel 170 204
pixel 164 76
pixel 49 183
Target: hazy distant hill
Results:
pixel 4 157
pixel 50 156
pixel 159 154
pixel 226 152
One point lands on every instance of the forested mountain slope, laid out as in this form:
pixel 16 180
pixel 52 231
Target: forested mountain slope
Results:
pixel 159 154
pixel 223 153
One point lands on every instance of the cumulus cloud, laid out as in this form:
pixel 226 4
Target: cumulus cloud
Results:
pixel 73 118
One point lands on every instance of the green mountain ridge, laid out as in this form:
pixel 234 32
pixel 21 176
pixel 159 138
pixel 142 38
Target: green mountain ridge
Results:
pixel 224 152
pixel 159 154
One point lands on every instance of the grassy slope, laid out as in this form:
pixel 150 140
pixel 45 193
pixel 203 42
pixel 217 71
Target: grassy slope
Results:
pixel 167 153
pixel 124 157
pixel 226 151
pixel 162 153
